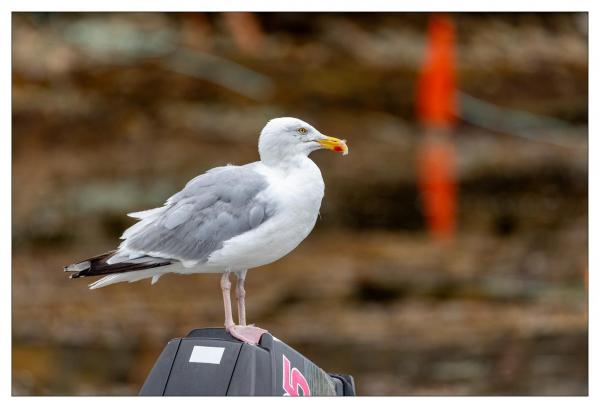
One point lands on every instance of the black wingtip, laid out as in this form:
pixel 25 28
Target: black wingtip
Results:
pixel 97 266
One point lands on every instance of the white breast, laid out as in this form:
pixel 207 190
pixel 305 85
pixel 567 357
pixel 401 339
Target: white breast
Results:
pixel 297 194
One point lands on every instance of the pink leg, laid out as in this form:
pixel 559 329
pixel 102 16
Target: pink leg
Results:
pixel 248 334
pixel 240 293
pixel 226 288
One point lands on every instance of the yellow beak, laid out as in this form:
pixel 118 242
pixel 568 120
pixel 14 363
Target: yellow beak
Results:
pixel 335 144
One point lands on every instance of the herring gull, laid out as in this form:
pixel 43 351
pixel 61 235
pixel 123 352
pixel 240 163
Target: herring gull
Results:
pixel 227 220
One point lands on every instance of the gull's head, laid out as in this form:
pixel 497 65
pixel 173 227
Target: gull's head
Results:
pixel 283 139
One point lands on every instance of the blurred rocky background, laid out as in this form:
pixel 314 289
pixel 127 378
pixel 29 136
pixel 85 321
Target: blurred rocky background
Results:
pixel 113 113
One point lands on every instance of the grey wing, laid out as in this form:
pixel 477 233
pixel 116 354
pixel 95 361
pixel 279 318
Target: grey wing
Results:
pixel 212 208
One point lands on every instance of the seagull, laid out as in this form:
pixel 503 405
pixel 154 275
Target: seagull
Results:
pixel 227 220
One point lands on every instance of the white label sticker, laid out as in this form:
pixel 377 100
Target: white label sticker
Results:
pixel 209 355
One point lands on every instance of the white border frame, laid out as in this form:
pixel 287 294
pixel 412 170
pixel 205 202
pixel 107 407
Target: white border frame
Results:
pixel 8 6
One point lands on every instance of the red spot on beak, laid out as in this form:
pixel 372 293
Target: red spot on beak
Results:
pixel 338 149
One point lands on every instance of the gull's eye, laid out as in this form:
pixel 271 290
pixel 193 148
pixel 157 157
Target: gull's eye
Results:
pixel 302 131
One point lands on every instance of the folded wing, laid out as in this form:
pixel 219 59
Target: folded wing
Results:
pixel 194 223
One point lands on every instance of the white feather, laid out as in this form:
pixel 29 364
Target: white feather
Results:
pixel 146 213
pixel 127 277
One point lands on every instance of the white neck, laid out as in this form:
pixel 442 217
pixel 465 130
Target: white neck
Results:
pixel 289 164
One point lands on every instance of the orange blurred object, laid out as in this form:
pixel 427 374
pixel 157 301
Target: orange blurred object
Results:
pixel 437 109
pixel 437 184
pixel 436 97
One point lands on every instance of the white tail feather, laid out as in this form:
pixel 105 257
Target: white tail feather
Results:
pixel 134 276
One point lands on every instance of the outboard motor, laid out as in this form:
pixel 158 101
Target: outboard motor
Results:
pixel 211 362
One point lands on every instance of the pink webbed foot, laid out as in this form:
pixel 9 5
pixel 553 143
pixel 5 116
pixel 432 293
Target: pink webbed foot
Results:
pixel 248 334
